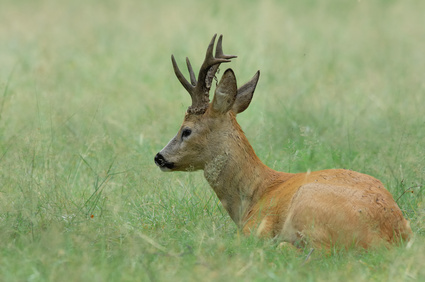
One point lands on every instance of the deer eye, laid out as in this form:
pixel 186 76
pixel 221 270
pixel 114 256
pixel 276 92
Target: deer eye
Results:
pixel 186 132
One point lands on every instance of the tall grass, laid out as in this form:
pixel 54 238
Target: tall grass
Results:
pixel 88 96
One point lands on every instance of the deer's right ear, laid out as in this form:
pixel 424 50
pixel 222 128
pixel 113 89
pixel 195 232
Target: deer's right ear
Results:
pixel 245 93
pixel 225 93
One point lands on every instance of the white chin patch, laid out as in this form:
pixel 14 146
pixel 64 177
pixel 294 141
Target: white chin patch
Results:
pixel 165 169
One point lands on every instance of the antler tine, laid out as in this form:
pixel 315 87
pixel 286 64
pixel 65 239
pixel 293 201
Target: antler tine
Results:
pixel 192 75
pixel 210 60
pixel 211 64
pixel 219 50
pixel 199 89
pixel 221 56
pixel 210 48
pixel 189 87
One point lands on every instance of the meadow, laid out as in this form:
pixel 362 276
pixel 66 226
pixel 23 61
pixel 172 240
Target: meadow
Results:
pixel 88 97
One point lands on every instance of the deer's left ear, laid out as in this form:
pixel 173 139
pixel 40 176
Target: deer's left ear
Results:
pixel 245 93
pixel 225 93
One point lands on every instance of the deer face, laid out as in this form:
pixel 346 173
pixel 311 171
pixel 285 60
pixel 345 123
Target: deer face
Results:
pixel 207 126
pixel 186 151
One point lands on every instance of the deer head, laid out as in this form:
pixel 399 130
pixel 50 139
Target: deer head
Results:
pixel 207 127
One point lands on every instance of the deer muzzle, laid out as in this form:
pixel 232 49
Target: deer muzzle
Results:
pixel 162 163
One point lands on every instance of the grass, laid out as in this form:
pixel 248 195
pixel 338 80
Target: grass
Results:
pixel 88 96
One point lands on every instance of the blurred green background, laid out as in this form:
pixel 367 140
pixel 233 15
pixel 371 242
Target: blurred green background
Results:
pixel 88 96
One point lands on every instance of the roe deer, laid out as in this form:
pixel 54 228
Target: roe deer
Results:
pixel 322 208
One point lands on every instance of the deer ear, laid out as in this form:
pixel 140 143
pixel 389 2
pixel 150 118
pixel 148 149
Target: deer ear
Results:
pixel 245 93
pixel 225 93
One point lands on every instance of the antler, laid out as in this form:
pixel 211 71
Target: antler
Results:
pixel 199 90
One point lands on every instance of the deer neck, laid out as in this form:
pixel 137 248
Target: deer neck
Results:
pixel 238 176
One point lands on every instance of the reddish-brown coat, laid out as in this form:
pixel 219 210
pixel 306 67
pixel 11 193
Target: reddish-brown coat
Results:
pixel 322 208
pixel 328 207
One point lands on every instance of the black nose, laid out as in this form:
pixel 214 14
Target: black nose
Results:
pixel 162 162
pixel 159 159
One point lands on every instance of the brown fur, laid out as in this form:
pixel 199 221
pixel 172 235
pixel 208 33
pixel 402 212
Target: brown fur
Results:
pixel 322 208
